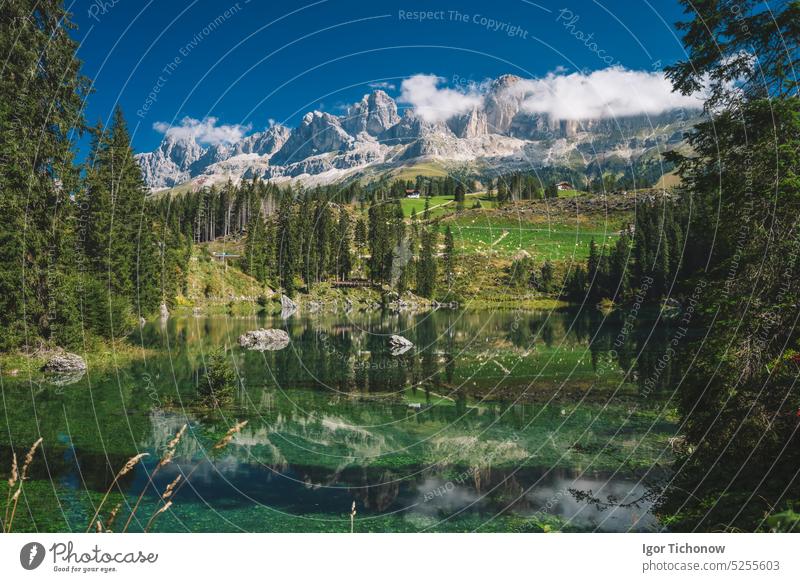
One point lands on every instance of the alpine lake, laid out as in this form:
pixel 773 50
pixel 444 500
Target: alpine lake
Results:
pixel 495 421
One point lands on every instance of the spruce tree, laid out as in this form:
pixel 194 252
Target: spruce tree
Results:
pixel 546 276
pixel 360 240
pixel 449 257
pixel 255 251
pixel 41 97
pixel 117 220
pixel 460 196
pixel 344 256
pixel 286 245
pixel 619 277
pixel 575 284
pixel 426 272
pixel 592 269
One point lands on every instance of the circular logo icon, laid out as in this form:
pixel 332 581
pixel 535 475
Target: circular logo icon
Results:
pixel 31 555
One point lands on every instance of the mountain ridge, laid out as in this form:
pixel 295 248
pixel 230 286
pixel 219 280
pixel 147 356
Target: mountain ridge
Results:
pixel 496 135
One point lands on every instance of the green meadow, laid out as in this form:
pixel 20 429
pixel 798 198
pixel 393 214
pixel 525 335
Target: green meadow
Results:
pixel 560 240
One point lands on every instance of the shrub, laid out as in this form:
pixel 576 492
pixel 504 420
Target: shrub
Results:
pixel 522 273
pixel 219 381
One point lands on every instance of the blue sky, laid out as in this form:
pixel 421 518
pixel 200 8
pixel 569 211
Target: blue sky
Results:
pixel 249 62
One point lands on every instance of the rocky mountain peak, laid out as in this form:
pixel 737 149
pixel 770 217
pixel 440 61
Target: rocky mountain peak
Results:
pixel 503 82
pixel 502 104
pixel 319 132
pixel 472 124
pixel 180 149
pixel 374 114
pixel 264 143
pixel 171 163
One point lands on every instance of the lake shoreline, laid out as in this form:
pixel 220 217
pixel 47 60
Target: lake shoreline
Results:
pixel 109 355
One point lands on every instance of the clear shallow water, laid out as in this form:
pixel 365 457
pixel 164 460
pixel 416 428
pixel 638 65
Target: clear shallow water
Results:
pixel 493 422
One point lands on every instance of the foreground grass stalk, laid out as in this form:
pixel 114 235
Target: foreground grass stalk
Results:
pixel 12 480
pixel 165 460
pixel 158 512
pixel 177 484
pixel 125 469
pixel 22 477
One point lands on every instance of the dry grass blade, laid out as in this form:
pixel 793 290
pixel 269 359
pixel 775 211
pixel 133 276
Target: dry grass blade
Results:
pixel 168 491
pixel 29 458
pixel 158 512
pixel 169 454
pixel 225 441
pixel 221 444
pixel 177 438
pixel 12 480
pixel 171 447
pixel 112 517
pixel 26 465
pixel 15 500
pixel 131 464
pixel 124 471
pixel 352 517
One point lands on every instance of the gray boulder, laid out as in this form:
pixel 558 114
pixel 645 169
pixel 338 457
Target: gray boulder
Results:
pixel 263 340
pixel 65 363
pixel 288 307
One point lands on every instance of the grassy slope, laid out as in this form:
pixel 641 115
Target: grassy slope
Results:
pixel 443 205
pixel 211 284
pixel 561 240
pixel 427 169
pixel 487 241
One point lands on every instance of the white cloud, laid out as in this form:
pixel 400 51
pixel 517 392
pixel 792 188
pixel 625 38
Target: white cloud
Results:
pixel 432 103
pixel 612 92
pixel 204 131
pixel 382 85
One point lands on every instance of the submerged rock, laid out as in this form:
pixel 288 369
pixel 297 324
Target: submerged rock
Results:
pixel 263 340
pixel 399 345
pixel 65 363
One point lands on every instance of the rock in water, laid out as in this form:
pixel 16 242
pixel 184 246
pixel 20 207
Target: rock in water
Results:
pixel 399 345
pixel 164 311
pixel 263 340
pixel 287 303
pixel 288 307
pixel 65 363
